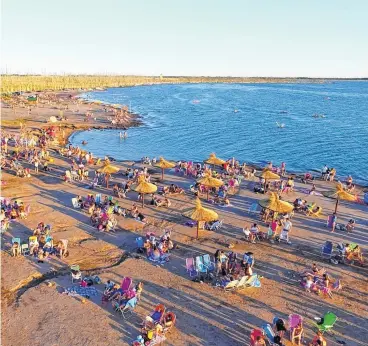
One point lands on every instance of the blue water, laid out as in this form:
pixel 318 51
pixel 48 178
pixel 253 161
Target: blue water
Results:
pixel 177 128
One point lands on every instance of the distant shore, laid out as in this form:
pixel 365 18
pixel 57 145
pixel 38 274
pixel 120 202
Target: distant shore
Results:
pixel 33 83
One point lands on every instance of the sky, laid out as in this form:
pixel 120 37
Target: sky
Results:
pixel 248 38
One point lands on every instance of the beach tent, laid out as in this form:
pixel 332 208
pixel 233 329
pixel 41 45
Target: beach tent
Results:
pixel 209 181
pixel 144 187
pixel 339 194
pixel 201 214
pixel 163 164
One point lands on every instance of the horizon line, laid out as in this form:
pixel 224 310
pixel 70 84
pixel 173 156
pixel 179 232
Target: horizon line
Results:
pixel 174 76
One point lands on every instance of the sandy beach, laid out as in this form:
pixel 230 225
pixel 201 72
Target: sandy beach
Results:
pixel 35 309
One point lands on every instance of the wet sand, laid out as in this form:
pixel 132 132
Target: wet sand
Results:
pixel 34 312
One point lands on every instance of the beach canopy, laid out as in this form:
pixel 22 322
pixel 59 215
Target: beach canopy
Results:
pixel 210 181
pixel 274 203
pixel 144 187
pixel 339 194
pixel 201 214
pixel 213 160
pixel 267 174
pixel 108 169
pixel 163 164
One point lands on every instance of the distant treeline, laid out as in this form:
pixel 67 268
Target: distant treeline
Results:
pixel 13 83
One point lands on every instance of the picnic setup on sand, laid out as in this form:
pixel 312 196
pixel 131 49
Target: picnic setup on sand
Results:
pixel 187 252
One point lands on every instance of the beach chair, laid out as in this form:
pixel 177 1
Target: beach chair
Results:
pixel 16 240
pixel 75 273
pixel 190 266
pixel 24 248
pixel 200 267
pixel 140 244
pixel 126 283
pixel 327 322
pixel 208 263
pixel 253 336
pixel 98 198
pixel 315 214
pixel 294 321
pixel 128 308
pixel 336 286
pixel 75 203
pixel 327 249
pixel 329 223
pixel 253 209
pixel 269 334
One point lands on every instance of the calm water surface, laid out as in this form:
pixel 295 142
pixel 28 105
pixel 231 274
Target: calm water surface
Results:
pixel 178 128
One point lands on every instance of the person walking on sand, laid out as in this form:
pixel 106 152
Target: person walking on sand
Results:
pixel 36 163
pixel 286 228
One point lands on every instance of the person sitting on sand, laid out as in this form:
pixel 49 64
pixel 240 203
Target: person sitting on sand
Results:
pixel 260 341
pixel 318 340
pixel 33 246
pixel 315 271
pixel 140 217
pixel 355 254
pixel 62 246
pixel 134 212
pixel 279 327
pixel 15 250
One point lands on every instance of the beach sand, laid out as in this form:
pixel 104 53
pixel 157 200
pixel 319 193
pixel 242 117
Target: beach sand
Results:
pixel 34 313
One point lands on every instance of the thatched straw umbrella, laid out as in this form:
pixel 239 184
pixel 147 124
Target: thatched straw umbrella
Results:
pixel 144 187
pixel 209 181
pixel 201 214
pixel 108 169
pixel 215 161
pixel 275 204
pixel 163 164
pixel 267 174
pixel 339 194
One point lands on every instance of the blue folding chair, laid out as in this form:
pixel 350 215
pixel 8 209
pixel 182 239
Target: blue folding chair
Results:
pixel 327 249
pixel 200 266
pixel 208 263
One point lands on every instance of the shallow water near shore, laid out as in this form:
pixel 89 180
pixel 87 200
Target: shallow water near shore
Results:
pixel 189 121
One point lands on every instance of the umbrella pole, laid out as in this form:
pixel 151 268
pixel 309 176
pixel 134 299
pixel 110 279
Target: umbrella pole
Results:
pixel 208 193
pixel 337 203
pixel 197 229
pixel 162 174
pixel 142 200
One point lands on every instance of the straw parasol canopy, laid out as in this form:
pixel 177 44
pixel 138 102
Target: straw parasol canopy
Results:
pixel 339 194
pixel 144 187
pixel 201 214
pixel 210 181
pixel 213 160
pixel 163 164
pixel 267 174
pixel 108 169
pixel 274 203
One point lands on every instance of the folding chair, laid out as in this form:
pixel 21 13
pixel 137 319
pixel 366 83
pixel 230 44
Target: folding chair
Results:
pixel 190 266
pixel 24 248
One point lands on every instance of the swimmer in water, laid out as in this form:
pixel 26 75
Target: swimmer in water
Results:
pixel 125 134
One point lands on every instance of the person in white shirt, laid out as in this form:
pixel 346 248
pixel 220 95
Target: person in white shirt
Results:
pixel 286 228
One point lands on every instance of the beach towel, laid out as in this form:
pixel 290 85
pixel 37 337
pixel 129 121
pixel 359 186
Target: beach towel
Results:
pixel 81 291
pixel 306 191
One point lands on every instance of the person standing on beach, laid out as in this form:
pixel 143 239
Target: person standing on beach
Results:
pixel 283 168
pixel 333 222
pixel 286 228
pixel 36 163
